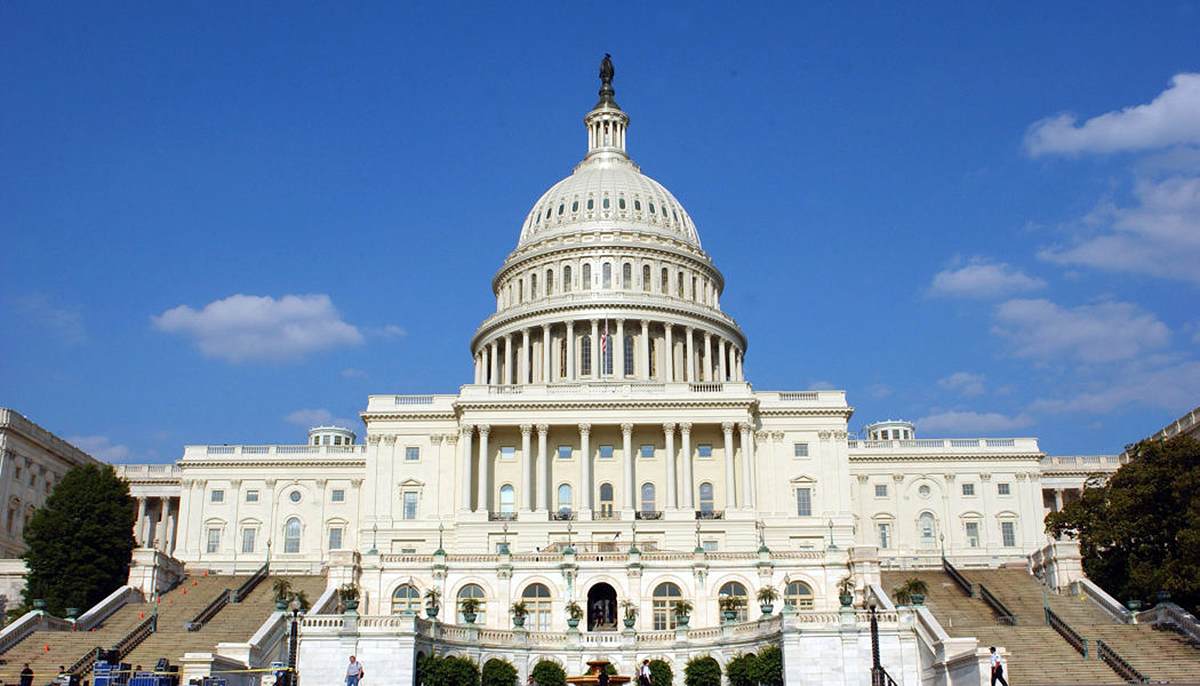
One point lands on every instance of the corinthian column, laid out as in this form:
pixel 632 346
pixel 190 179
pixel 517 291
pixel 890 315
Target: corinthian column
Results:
pixel 526 358
pixel 668 375
pixel 542 480
pixel 722 359
pixel 509 359
pixel 643 371
pixel 747 465
pixel 689 368
pixel 618 351
pixel 597 365
pixel 627 453
pixel 526 499
pixel 485 488
pixel 585 467
pixel 546 375
pixel 569 344
pixel 669 435
pixel 730 486
pixel 685 437
pixel 708 353
pixel 494 377
pixel 464 443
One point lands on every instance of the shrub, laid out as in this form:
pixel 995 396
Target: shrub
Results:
pixel 661 673
pixel 547 673
pixel 702 670
pixel 741 670
pixel 497 672
pixel 448 671
pixel 768 667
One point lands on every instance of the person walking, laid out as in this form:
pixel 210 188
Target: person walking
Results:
pixel 603 678
pixel 644 674
pixel 355 672
pixel 26 676
pixel 997 668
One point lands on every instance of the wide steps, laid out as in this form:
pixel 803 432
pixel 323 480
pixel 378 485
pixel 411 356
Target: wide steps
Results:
pixel 1038 655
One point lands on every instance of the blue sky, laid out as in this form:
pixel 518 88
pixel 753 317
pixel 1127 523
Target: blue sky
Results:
pixel 222 222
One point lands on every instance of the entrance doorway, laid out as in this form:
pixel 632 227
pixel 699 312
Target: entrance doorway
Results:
pixel 602 608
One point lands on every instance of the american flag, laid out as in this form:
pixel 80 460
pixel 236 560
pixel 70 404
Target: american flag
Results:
pixel 604 348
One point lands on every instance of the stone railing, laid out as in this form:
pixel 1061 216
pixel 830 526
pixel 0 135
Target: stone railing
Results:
pixel 1086 588
pixel 1119 665
pixel 105 608
pixel 1170 616
pixel 200 451
pixel 604 388
pixel 1076 639
pixel 595 551
pixel 34 620
pixel 145 472
pixel 980 445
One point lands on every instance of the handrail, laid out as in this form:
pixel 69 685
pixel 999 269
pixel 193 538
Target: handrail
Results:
pixel 959 579
pixel 135 637
pixel 209 611
pixel 84 664
pixel 1119 665
pixel 1077 641
pixel 248 585
pixel 19 629
pixel 1006 615
pixel 880 677
pixel 105 608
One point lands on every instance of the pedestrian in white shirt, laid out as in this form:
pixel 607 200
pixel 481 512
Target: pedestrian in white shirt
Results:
pixel 997 668
pixel 355 673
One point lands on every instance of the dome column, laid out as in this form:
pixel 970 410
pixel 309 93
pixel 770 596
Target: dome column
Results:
pixel 618 351
pixel 708 353
pixel 722 361
pixel 546 376
pixel 644 348
pixel 569 346
pixel 526 358
pixel 509 359
pixel 668 357
pixel 669 436
pixel 494 376
pixel 689 369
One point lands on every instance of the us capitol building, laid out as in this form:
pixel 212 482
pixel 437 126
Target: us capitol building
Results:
pixel 609 450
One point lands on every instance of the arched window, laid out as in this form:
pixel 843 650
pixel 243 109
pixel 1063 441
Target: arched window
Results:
pixel 406 598
pixel 537 602
pixel 473 591
pixel 607 353
pixel 587 277
pixel 665 596
pixel 564 499
pixel 926 527
pixel 679 285
pixel 520 291
pixel 649 503
pixel 665 287
pixel 291 536
pixel 606 500
pixel 706 497
pixel 606 275
pixel 798 596
pixel 549 282
pixel 508 499
pixel 532 286
pixel 646 278
pixel 627 276
pixel 585 355
pixel 629 370
pixel 567 279
pixel 737 590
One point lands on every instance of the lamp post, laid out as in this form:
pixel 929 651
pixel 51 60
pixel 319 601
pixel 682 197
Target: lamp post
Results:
pixel 699 546
pixel 374 540
pixel 832 545
pixel 876 670
pixel 293 640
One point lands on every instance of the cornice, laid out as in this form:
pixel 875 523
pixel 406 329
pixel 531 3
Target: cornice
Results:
pixel 844 412
pixel 191 464
pixel 946 457
pixel 743 404
pixel 436 415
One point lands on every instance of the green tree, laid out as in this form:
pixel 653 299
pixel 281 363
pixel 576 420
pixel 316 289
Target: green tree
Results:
pixel 497 672
pixel 702 670
pixel 741 670
pixel 547 673
pixel 661 673
pixel 768 668
pixel 1139 533
pixel 80 541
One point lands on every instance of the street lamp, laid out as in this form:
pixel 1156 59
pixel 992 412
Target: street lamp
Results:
pixel 374 540
pixel 832 545
pixel 293 640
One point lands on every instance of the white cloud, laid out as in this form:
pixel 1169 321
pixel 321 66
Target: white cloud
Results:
pixel 821 385
pixel 248 327
pixel 352 373
pixel 1104 332
pixel 101 448
pixel 318 416
pixel 879 390
pixel 980 278
pixel 1172 118
pixel 1158 236
pixel 64 322
pixel 963 422
pixel 1171 387
pixel 966 383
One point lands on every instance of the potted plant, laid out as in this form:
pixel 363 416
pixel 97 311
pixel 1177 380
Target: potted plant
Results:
pixel 519 613
pixel 574 614
pixel 683 612
pixel 349 595
pixel 767 595
pixel 911 592
pixel 730 604
pixel 631 613
pixel 282 589
pixel 433 602
pixel 469 608
pixel 846 592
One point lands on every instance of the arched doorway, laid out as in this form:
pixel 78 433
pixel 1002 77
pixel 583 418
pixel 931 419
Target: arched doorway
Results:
pixel 601 608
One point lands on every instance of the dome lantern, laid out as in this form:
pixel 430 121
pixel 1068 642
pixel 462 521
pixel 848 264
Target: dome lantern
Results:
pixel 607 123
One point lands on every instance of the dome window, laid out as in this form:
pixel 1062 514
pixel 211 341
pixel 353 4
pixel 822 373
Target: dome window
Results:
pixel 561 207
pixel 575 206
pixel 548 211
pixel 591 204
pixel 637 205
pixel 675 214
pixel 651 208
pixel 606 202
pixel 621 203
pixel 538 220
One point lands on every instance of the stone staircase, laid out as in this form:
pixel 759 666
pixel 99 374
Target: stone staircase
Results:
pixel 46 650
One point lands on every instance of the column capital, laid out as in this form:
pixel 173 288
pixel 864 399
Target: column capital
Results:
pixel 669 427
pixel 727 427
pixel 685 428
pixel 484 429
pixel 627 428
pixel 526 429
pixel 595 321
pixel 745 427
pixel 466 429
pixel 645 322
pixel 585 429
pixel 452 439
pixel 543 429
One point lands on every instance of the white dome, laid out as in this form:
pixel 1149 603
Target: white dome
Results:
pixel 608 192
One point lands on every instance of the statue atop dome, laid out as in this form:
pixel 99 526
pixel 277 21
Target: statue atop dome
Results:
pixel 607 94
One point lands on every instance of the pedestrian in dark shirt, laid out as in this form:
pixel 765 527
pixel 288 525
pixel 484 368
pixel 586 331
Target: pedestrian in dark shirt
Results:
pixel 26 676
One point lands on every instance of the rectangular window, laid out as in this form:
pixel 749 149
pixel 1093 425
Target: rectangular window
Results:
pixel 214 540
pixel 1003 489
pixel 800 450
pixel 564 452
pixel 885 535
pixel 880 490
pixel 606 452
pixel 972 534
pixel 968 489
pixel 704 450
pixel 248 536
pixel 252 496
pixel 217 496
pixel 508 453
pixel 709 546
pixel 338 495
pixel 410 505
pixel 647 451
pixel 804 502
pixel 335 538
pixel 412 453
pixel 1008 533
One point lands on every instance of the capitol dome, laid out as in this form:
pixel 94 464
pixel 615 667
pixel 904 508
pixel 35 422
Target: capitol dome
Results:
pixel 608 281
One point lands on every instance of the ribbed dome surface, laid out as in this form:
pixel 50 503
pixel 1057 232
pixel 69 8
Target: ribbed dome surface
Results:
pixel 608 193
